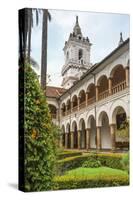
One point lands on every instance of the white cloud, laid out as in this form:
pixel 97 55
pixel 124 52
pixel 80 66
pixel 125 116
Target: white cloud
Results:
pixel 102 29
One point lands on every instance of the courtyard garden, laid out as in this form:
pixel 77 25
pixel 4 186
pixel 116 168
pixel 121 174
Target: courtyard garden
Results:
pixel 90 170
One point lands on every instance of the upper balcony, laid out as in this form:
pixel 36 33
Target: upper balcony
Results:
pixel 106 87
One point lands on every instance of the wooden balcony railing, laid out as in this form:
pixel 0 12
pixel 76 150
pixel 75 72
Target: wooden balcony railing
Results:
pixel 103 95
pixel 75 108
pixel 119 87
pixel 91 100
pixel 63 114
pixel 68 112
pixel 82 105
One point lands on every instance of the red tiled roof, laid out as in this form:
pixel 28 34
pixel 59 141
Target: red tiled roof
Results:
pixel 52 91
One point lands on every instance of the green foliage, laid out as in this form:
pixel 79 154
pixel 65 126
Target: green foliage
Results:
pixel 123 131
pixel 108 159
pixel 40 136
pixel 81 181
pixel 125 162
pixel 92 163
pixel 70 163
pixel 67 154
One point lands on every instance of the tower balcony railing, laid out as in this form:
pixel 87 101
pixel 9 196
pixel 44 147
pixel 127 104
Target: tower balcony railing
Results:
pixel 119 87
pixel 91 100
pixel 82 105
pixel 103 94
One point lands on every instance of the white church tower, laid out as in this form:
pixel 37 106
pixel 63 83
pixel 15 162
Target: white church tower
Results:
pixel 77 57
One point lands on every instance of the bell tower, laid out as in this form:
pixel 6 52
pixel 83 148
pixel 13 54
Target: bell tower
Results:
pixel 77 56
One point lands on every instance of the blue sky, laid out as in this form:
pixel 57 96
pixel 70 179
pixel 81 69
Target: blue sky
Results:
pixel 102 29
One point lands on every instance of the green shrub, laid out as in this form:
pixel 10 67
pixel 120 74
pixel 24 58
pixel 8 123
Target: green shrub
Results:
pixel 67 154
pixel 109 160
pixel 70 163
pixel 40 135
pixel 125 162
pixel 72 182
pixel 92 163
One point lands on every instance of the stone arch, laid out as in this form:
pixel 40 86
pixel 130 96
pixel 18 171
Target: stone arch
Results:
pixel 102 85
pixel 63 108
pixel 68 136
pixel 53 111
pixel 117 110
pixel 118 66
pixel 63 128
pixel 92 127
pixel 100 115
pixel 89 120
pixel 82 128
pixel 116 104
pixel 82 95
pixel 105 130
pixel 117 75
pixel 75 134
pixel 91 90
pixel 82 99
pixel 68 105
pixel 119 118
pixel 74 101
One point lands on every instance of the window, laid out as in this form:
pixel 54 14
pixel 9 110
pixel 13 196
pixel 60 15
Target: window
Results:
pixel 67 54
pixel 80 53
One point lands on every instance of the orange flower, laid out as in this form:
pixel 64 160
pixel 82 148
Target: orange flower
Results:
pixel 34 134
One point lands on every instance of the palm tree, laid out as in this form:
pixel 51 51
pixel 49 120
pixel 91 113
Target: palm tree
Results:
pixel 31 24
pixel 46 17
pixel 25 30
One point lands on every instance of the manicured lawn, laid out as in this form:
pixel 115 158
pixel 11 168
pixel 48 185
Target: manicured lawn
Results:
pixel 100 171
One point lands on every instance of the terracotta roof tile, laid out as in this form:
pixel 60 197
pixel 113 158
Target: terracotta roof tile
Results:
pixel 52 91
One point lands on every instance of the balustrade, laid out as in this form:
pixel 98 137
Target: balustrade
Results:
pixel 117 88
pixel 82 105
pixel 91 100
pixel 103 95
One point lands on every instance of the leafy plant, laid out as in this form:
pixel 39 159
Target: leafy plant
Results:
pixel 40 135
pixel 92 163
pixel 125 162
pixel 123 131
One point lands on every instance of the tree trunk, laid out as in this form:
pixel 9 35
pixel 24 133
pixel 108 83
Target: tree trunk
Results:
pixel 29 32
pixel 44 49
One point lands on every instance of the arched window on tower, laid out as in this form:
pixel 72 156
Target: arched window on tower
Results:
pixel 80 54
pixel 67 55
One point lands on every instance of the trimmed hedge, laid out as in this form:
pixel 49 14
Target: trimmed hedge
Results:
pixel 68 154
pixel 109 160
pixel 70 163
pixel 72 182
